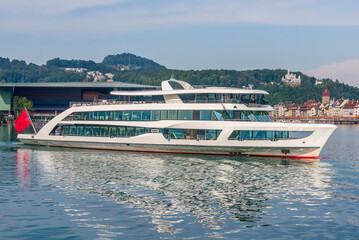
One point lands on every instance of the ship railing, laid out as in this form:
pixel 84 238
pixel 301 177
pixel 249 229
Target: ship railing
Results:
pixel 110 102
pixel 117 102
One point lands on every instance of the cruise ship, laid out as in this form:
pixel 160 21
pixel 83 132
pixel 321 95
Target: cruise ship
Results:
pixel 183 119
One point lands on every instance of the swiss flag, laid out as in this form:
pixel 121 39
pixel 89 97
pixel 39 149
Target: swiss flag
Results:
pixel 22 121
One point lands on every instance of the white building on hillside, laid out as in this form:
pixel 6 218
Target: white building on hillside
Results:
pixel 291 79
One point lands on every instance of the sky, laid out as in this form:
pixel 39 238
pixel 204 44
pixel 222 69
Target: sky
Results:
pixel 317 37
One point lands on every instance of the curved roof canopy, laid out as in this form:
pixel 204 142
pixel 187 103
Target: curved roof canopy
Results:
pixel 188 89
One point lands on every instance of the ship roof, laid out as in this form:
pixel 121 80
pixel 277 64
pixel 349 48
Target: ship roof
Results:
pixel 79 84
pixel 220 90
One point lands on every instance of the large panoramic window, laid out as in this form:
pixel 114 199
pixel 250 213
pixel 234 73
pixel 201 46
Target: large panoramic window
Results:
pixel 157 115
pixel 267 135
pixel 128 131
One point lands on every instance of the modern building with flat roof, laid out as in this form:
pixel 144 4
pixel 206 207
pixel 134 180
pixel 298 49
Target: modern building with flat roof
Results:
pixel 51 98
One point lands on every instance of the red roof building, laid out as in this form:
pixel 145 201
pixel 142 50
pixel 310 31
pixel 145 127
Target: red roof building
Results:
pixel 325 96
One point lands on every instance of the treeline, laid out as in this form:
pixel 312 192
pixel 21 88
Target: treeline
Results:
pixel 265 79
pixel 16 71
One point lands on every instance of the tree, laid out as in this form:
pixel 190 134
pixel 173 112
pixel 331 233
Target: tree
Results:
pixel 19 104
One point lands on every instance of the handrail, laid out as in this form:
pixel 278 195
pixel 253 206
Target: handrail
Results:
pixel 116 102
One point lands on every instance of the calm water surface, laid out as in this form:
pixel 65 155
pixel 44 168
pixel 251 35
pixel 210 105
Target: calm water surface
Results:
pixel 82 194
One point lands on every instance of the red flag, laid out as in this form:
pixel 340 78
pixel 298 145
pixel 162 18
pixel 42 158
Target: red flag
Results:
pixel 22 121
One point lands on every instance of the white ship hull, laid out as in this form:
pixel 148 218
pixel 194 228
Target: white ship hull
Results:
pixel 310 152
pixel 308 147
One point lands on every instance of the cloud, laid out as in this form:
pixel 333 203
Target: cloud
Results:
pixel 125 15
pixel 54 6
pixel 346 72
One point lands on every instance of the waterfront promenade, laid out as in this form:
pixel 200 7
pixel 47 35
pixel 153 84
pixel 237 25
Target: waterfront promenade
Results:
pixel 332 120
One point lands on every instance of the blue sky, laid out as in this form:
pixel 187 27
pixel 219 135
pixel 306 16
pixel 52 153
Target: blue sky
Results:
pixel 318 37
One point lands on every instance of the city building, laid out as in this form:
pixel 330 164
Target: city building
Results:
pixel 327 108
pixel 325 96
pixel 291 79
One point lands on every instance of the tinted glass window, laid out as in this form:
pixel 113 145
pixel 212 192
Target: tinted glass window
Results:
pixel 185 115
pixel 155 115
pixel 145 115
pixel 136 115
pixel 172 115
pixel 126 116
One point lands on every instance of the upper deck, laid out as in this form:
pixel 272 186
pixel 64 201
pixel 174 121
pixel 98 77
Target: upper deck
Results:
pixel 189 94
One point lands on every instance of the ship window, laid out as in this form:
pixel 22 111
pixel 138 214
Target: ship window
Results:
pixel 218 115
pixel 172 115
pixel 86 116
pixel 139 131
pixel 96 131
pixel 145 115
pixel 126 115
pixel 130 131
pixel 121 131
pixel 245 98
pixel 185 115
pixel 245 135
pixel 176 133
pixel 136 115
pixel 299 134
pixel 269 135
pixel 155 115
pixel 281 134
pixel 251 116
pixel 95 116
pixel 230 114
pixel 210 134
pixel 112 131
pixel 244 116
pixel 72 130
pixel 65 130
pixel 205 115
pixel 221 115
pixel 259 134
pixel 163 115
pixel 104 131
pixel 200 134
pixel 101 116
pixel 118 116
pixel 77 116
pixel 80 130
pixel 109 116
pixel 88 131
pixel 211 97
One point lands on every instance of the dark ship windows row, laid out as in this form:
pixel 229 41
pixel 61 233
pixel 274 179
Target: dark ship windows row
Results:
pixel 156 115
pixel 126 131
pixel 242 135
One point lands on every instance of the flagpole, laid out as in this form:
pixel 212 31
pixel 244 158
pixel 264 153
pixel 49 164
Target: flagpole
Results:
pixel 32 124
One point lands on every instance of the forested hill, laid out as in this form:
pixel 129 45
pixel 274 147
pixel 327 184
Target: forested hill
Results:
pixel 109 63
pixel 128 59
pixel 266 79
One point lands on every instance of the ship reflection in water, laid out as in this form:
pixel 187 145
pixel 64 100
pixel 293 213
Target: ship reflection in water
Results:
pixel 173 191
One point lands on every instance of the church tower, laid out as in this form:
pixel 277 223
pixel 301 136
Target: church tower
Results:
pixel 325 96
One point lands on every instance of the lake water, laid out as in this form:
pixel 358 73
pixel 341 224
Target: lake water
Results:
pixel 82 194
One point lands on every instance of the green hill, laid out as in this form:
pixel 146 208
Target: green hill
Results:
pixel 131 60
